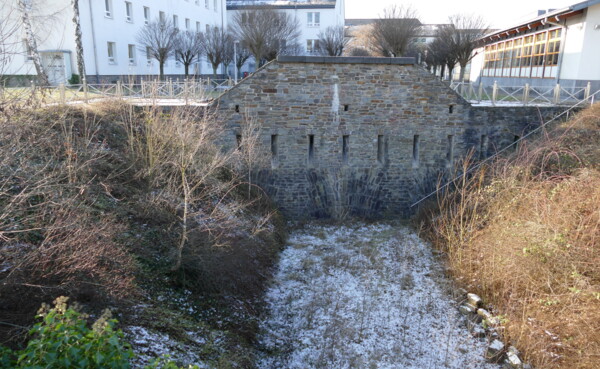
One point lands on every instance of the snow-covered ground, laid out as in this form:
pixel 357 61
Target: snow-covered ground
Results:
pixel 363 296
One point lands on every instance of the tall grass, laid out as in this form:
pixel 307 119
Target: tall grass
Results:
pixel 523 231
pixel 95 201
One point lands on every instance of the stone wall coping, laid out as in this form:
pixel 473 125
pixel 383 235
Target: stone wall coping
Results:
pixel 345 60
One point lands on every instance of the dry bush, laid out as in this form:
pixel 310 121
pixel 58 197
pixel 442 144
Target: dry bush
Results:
pixel 223 223
pixel 56 166
pixel 524 232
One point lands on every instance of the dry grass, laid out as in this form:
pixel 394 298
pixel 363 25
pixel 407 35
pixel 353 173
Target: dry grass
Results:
pixel 524 232
pixel 98 202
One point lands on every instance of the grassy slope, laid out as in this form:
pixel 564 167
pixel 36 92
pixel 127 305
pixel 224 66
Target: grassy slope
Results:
pixel 91 207
pixel 524 232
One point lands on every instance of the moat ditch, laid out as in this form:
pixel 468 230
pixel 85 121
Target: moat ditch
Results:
pixel 363 296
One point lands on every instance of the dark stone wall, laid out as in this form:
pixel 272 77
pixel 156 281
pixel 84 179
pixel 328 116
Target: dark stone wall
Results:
pixel 379 104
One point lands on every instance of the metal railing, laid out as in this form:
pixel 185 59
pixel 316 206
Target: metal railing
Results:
pixel 192 91
pixel 589 100
pixel 523 95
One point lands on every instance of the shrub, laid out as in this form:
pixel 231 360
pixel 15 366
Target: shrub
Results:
pixel 63 340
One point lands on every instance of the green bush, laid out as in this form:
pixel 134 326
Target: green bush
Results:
pixel 63 340
pixel 74 80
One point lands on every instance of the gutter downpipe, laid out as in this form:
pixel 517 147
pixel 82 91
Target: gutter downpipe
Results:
pixel 94 42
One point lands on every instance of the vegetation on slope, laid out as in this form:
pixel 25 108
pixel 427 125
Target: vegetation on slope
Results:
pixel 524 232
pixel 139 210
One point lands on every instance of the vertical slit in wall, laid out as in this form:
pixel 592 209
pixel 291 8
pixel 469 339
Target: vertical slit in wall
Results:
pixel 484 147
pixel 415 158
pixel 274 149
pixel 345 143
pixel 311 148
pixel 450 152
pixel 238 140
pixel 381 149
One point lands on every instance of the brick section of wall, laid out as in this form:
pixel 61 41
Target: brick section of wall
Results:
pixel 363 117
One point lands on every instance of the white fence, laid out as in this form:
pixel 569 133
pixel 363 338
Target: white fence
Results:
pixel 193 91
pixel 525 95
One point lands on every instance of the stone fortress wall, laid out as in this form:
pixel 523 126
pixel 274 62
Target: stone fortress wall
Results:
pixel 361 136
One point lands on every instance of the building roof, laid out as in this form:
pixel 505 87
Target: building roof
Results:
pixel 281 4
pixel 548 17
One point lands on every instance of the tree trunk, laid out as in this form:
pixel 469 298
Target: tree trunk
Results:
pixel 442 71
pixel 32 44
pixel 186 66
pixel 215 70
pixel 78 42
pixel 461 78
pixel 161 67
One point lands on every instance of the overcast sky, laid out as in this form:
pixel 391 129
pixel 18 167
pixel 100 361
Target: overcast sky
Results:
pixel 499 14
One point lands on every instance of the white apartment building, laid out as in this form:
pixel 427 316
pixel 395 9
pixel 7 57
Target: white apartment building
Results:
pixel 558 46
pixel 314 16
pixel 109 29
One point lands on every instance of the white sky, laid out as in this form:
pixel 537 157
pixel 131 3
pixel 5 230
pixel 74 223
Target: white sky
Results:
pixel 499 14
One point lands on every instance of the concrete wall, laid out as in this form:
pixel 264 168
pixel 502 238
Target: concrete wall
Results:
pixel 380 105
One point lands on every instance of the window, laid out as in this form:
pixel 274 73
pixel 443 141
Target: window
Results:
pixel 450 152
pixel 187 24
pixel 29 53
pixel 215 5
pixel 162 17
pixel 112 57
pixel 311 148
pixel 108 8
pixel 128 12
pixel 381 154
pixel 198 27
pixel 207 28
pixel 312 46
pixel 206 4
pixel 553 47
pixel 345 148
pixel 484 147
pixel 313 19
pixel 415 158
pixel 274 151
pixel 197 2
pixel 131 54
pixel 146 15
pixel 175 21
pixel 148 56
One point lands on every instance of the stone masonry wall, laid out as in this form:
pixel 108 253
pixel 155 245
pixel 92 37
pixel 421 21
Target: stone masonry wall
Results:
pixel 363 117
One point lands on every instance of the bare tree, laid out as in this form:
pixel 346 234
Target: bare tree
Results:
pixel 188 47
pixel 460 36
pixel 266 32
pixel 158 38
pixel 9 42
pixel 437 55
pixel 393 32
pixel 332 41
pixel 359 51
pixel 214 46
pixel 25 8
pixel 228 52
pixel 78 42
pixel 243 54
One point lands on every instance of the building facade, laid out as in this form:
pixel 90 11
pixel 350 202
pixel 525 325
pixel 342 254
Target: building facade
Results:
pixel 558 46
pixel 314 16
pixel 109 29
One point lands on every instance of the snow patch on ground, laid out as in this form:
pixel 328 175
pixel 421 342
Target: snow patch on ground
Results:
pixel 148 346
pixel 363 296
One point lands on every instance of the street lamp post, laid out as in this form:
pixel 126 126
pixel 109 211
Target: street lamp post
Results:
pixel 235 60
